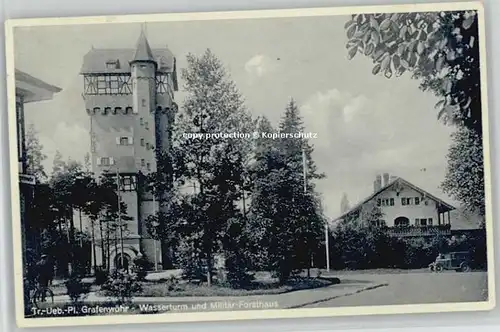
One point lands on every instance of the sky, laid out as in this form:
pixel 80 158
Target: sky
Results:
pixel 366 124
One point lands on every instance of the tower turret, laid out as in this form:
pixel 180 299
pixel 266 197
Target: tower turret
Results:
pixel 143 74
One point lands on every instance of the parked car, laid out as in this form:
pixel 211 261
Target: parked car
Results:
pixel 458 261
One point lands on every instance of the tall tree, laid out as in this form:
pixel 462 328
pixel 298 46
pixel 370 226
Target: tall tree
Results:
pixel 213 163
pixel 465 173
pixel 58 163
pixel 285 210
pixel 344 204
pixel 35 155
pixel 441 49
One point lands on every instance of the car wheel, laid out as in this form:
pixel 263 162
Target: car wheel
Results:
pixel 465 267
pixel 438 268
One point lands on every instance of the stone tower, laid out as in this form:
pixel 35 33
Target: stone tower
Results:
pixel 129 97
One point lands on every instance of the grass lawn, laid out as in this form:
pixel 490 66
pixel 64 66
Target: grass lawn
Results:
pixel 60 289
pixel 258 287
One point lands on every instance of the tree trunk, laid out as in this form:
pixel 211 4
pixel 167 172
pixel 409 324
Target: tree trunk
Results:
pixel 103 250
pixel 116 245
pixel 209 269
pixel 81 227
pixel 71 232
pixel 93 245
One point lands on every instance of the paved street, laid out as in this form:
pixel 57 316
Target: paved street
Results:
pixel 357 288
pixel 414 288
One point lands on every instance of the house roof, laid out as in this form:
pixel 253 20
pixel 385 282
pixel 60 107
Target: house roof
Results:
pixel 96 60
pixel 142 50
pixel 32 89
pixel 24 77
pixel 447 207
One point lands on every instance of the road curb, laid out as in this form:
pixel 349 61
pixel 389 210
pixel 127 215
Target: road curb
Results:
pixel 364 289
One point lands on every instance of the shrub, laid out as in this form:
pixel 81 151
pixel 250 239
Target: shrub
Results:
pixel 141 266
pixel 101 276
pixel 76 289
pixel 238 275
pixel 121 285
pixel 358 247
pixel 190 262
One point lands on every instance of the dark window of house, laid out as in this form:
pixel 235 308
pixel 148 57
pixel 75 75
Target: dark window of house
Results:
pixel 417 200
pixel 406 201
pixel 123 140
pixel 105 161
pixel 112 64
pixel 142 141
pixel 392 202
pixel 429 221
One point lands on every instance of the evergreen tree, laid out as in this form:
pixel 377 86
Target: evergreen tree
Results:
pixel 344 204
pixel 35 156
pixel 285 211
pixel 58 164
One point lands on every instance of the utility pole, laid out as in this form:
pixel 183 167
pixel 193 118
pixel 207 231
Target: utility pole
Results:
pixel 327 236
pixel 304 169
pixel 119 215
pixel 154 240
pixel 327 246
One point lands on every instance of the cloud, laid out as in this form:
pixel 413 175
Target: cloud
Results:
pixel 259 66
pixel 360 136
pixel 72 140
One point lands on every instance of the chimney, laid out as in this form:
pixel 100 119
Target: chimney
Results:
pixel 377 184
pixel 385 180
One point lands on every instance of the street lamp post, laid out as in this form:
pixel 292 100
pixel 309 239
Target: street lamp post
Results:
pixel 79 179
pixel 327 246
pixel 154 240
pixel 119 215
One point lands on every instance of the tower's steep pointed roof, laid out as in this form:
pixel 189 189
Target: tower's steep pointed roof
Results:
pixel 143 51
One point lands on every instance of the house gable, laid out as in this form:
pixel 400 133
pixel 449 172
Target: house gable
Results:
pixel 400 198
